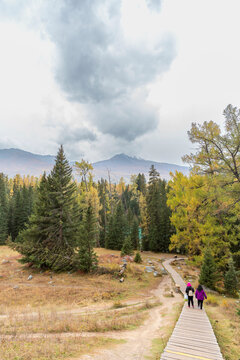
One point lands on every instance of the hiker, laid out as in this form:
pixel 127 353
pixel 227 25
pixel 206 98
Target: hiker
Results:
pixel 190 293
pixel 200 295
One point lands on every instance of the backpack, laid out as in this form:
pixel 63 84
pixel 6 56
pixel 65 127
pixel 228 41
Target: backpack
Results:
pixel 190 293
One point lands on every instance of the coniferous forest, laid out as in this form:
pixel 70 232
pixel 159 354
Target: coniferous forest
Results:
pixel 56 221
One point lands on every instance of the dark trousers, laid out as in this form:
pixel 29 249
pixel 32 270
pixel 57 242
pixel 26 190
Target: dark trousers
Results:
pixel 200 303
pixel 190 301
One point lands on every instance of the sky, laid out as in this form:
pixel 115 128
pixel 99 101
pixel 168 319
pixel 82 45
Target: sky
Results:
pixel 104 77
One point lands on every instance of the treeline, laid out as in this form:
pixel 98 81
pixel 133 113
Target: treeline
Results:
pixel 55 222
pixel 17 197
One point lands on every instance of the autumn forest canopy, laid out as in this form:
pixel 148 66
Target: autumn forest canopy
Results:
pixel 56 221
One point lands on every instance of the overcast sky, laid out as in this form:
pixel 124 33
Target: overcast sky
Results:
pixel 109 76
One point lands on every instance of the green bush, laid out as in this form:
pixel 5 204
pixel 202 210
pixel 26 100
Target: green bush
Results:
pixel 138 258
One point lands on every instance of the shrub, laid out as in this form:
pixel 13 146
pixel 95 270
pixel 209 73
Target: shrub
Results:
pixel 127 248
pixel 230 279
pixel 212 300
pixel 138 258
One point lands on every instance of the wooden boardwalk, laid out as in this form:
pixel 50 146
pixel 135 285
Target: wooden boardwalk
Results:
pixel 193 337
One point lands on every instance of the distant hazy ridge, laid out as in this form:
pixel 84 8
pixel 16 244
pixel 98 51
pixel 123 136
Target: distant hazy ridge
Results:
pixel 15 161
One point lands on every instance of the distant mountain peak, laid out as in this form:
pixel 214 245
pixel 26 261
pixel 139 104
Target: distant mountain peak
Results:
pixel 121 156
pixel 16 161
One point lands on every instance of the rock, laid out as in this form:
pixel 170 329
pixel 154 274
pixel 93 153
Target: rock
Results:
pixel 16 287
pixel 177 288
pixel 5 262
pixel 164 271
pixel 30 277
pixel 149 269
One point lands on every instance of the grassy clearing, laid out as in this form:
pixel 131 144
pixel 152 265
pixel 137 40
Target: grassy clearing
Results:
pixel 54 349
pixel 64 291
pixel 159 344
pixel 63 323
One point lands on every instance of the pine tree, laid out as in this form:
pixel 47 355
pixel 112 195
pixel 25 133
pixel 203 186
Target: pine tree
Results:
pixel 104 210
pixel 141 183
pixel 3 210
pixel 127 248
pixel 208 273
pixel 231 279
pixel 138 258
pixel 134 234
pixel 87 260
pixel 116 229
pixel 50 236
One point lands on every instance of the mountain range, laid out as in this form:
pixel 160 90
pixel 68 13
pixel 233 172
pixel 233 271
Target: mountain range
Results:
pixel 16 161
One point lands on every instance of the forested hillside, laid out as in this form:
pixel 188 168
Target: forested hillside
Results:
pixel 41 216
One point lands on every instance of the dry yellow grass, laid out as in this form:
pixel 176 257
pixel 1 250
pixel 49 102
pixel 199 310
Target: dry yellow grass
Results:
pixel 53 349
pixel 226 324
pixel 64 291
pixel 62 323
pixel 48 293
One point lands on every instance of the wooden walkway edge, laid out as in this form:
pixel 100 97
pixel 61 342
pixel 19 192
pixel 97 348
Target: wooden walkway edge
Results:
pixel 193 337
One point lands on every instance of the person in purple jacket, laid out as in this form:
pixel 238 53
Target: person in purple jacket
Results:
pixel 200 296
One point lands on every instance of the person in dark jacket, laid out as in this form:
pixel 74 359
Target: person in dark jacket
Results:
pixel 190 293
pixel 200 296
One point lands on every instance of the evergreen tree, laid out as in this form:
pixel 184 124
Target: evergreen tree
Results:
pixel 134 234
pixel 116 229
pixel 159 227
pixel 3 210
pixel 127 248
pixel 50 237
pixel 87 260
pixel 138 258
pixel 208 274
pixel 110 241
pixel 104 210
pixel 231 279
pixel 141 183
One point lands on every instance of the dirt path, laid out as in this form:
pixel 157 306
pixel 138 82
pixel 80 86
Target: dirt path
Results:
pixel 138 342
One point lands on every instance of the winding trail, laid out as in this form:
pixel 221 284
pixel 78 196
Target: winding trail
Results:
pixel 193 337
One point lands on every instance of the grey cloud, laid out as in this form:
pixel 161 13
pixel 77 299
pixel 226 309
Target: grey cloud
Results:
pixel 95 61
pixel 68 135
pixel 125 118
pixel 154 4
pixel 98 67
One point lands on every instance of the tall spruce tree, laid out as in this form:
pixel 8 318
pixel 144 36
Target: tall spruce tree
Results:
pixel 158 214
pixel 231 279
pixel 3 210
pixel 51 235
pixel 134 234
pixel 116 229
pixel 208 273
pixel 87 259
